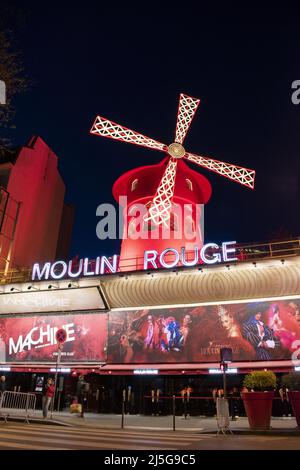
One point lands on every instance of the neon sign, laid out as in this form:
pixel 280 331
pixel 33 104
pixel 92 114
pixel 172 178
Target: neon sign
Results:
pixel 145 371
pixel 210 253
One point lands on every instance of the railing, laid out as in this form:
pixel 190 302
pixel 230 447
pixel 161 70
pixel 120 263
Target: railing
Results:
pixel 244 253
pixel 281 249
pixel 17 404
pixel 15 275
pixel 175 407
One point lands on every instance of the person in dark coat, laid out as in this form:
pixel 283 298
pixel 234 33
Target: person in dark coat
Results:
pixel 81 393
pixel 260 336
pixel 2 384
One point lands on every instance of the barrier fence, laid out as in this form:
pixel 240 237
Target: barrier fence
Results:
pixel 176 406
pixel 17 404
pixel 222 407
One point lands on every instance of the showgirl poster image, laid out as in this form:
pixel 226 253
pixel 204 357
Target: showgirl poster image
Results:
pixel 260 331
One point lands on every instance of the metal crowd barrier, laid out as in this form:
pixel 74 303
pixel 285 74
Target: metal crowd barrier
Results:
pixel 222 407
pixel 17 404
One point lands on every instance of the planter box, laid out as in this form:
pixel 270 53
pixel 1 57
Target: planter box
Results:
pixel 294 398
pixel 258 406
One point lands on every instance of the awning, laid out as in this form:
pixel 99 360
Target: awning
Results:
pixel 197 367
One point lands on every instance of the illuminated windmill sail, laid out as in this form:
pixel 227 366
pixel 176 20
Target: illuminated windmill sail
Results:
pixel 160 207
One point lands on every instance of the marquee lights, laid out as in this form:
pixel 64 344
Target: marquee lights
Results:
pixel 210 253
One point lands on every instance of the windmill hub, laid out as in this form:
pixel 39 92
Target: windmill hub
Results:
pixel 176 150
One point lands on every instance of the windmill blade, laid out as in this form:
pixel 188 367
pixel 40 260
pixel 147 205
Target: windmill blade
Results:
pixel 106 128
pixel 186 110
pixel 236 173
pixel 159 211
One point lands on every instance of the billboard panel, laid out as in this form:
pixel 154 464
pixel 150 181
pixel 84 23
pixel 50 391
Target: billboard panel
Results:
pixel 258 331
pixel 85 298
pixel 255 331
pixel 32 339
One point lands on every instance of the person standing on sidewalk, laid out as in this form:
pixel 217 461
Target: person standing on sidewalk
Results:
pixel 233 403
pixel 48 396
pixel 82 389
pixel 286 410
pixel 2 385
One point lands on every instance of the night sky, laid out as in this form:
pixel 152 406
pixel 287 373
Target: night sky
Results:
pixel 130 67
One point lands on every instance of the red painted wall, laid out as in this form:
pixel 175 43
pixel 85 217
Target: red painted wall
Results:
pixel 35 182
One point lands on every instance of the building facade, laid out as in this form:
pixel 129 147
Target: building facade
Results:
pixel 35 223
pixel 156 328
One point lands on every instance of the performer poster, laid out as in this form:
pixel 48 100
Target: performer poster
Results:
pixel 254 331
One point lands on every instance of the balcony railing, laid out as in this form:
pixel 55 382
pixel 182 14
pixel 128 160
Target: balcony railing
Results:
pixel 244 253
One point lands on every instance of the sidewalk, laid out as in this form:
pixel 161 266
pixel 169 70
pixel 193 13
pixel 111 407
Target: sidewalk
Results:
pixel 165 423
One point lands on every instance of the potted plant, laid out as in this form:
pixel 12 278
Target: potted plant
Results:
pixel 292 383
pixel 259 397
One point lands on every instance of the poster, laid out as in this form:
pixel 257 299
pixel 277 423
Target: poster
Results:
pixel 32 339
pixel 257 331
pixel 262 331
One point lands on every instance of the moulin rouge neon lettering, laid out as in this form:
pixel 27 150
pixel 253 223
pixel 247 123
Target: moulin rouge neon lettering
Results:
pixel 210 253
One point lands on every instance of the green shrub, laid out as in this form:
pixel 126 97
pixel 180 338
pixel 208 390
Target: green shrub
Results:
pixel 260 380
pixel 291 381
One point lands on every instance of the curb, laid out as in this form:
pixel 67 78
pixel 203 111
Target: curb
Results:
pixel 38 421
pixel 260 432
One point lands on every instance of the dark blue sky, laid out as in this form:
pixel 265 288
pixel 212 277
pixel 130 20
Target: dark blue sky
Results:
pixel 131 67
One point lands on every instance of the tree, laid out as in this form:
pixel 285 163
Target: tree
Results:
pixel 12 74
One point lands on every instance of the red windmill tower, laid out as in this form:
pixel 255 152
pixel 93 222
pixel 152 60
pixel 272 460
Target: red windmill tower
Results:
pixel 161 187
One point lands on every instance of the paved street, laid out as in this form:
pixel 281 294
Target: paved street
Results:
pixel 165 423
pixel 43 437
pixel 22 436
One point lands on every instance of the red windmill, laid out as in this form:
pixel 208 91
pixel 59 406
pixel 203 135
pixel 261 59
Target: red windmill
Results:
pixel 170 182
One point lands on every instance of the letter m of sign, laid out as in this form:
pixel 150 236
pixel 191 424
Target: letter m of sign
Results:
pixel 2 92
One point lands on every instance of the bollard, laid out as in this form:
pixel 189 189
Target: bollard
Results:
pixel 173 412
pixel 26 408
pixel 123 409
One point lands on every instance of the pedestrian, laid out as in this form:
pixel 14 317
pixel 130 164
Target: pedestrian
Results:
pixel 2 384
pixel 214 395
pixel 283 392
pixel 155 401
pixel 47 396
pixel 234 403
pixel 82 388
pixel 188 393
